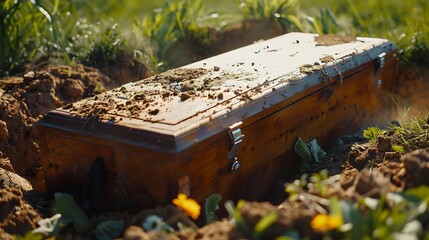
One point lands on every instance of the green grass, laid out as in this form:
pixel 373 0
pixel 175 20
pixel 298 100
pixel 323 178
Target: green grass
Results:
pixel 405 23
pixel 174 21
pixel 34 28
pixel 282 12
pixel 95 32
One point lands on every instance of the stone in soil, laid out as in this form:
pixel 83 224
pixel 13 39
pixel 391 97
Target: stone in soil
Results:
pixel 10 179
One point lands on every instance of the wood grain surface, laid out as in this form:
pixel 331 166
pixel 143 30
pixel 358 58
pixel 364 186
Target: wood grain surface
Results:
pixel 148 162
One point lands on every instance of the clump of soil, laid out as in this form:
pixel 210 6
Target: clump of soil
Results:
pixel 416 165
pixel 333 39
pixel 25 99
pixel 16 216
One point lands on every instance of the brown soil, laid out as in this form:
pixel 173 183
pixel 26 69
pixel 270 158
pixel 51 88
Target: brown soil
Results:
pixel 16 216
pixel 331 39
pixel 355 170
pixel 24 101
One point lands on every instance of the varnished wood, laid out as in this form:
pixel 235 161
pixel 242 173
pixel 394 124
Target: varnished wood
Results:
pixel 150 162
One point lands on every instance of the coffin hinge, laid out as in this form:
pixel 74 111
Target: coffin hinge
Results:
pixel 236 138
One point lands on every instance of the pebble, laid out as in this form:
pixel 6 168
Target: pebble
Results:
pixel 12 180
pixel 3 105
pixel 29 74
pixel 3 131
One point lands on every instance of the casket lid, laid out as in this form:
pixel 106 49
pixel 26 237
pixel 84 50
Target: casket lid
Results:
pixel 186 105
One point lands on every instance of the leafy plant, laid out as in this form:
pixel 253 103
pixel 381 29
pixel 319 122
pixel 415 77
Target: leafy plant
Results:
pixel 372 133
pixel 31 28
pixel 315 187
pixel 310 152
pixel 389 19
pixel 412 132
pixel 109 229
pixel 69 213
pixel 282 12
pixel 297 187
pixel 19 40
pixel 382 19
pixel 175 20
pixel 394 216
pixel 319 183
pixel 324 23
pixel 210 206
pixel 154 222
pixel 261 227
pixel 29 236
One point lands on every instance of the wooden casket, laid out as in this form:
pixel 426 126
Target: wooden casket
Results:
pixel 224 125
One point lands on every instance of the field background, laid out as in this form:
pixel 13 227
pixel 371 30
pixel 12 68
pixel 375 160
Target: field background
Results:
pixel 92 32
pixel 53 53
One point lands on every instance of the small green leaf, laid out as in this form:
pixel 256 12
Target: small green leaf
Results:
pixel 109 229
pixel 266 222
pixel 398 148
pixel 335 208
pixel 372 133
pixel 71 212
pixel 303 150
pixel 421 193
pixel 242 225
pixel 263 225
pixel 29 236
pixel 229 206
pixel 355 218
pixel 290 235
pixel 210 206
pixel 316 151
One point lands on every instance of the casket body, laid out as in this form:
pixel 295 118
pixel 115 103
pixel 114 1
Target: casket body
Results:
pixel 224 125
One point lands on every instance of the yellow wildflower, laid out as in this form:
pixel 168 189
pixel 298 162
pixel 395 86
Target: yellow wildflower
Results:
pixel 188 205
pixel 323 222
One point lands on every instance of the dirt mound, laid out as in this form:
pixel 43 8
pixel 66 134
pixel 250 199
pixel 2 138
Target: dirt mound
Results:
pixel 16 216
pixel 25 99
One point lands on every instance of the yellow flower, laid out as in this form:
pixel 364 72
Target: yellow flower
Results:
pixel 323 222
pixel 188 205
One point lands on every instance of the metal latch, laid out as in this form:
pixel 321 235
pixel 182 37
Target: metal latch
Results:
pixel 237 138
pixel 381 60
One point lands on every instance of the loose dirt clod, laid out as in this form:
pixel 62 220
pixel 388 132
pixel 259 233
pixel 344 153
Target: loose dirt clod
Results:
pixel 16 216
pixel 417 167
pixel 333 39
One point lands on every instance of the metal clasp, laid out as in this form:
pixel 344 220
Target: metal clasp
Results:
pixel 381 60
pixel 236 138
